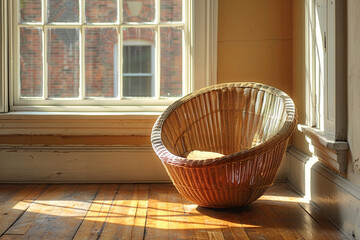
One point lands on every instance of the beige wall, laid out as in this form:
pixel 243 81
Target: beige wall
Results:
pixel 255 42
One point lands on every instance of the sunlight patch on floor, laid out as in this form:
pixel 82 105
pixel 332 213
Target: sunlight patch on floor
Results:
pixel 283 199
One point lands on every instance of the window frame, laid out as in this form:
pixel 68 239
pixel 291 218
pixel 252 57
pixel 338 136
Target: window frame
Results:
pixel 128 120
pixel 4 83
pixel 114 105
pixel 325 127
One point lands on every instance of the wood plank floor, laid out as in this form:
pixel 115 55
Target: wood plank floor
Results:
pixel 151 211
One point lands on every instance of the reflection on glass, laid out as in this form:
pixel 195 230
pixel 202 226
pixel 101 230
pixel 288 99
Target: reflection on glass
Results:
pixel 101 77
pixel 138 62
pixel 171 62
pixel 63 11
pixel 101 11
pixel 138 10
pixel 171 10
pixel 30 11
pixel 31 62
pixel 63 62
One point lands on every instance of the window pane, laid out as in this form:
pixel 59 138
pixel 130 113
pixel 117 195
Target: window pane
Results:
pixel 101 62
pixel 138 10
pixel 30 11
pixel 63 11
pixel 171 10
pixel 31 62
pixel 171 62
pixel 101 11
pixel 63 62
pixel 135 86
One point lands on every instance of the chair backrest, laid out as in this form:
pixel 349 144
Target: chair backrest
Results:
pixel 227 118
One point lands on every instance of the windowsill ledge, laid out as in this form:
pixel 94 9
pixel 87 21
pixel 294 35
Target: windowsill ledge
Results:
pixel 331 152
pixel 78 123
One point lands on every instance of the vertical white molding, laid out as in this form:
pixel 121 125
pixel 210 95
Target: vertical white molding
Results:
pixel 82 29
pixel 204 46
pixel 212 34
pixel 4 58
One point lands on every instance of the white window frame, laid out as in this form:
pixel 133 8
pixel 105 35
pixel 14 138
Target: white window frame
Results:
pixel 126 120
pixel 325 127
pixel 4 93
pixel 199 71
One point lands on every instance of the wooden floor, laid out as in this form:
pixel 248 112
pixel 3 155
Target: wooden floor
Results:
pixel 151 211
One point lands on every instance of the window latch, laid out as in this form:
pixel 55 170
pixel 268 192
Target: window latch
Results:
pixel 324 41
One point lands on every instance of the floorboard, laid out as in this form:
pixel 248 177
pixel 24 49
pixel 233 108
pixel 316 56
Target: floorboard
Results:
pixel 152 211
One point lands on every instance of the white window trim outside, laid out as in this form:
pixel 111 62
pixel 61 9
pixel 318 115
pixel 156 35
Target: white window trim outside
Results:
pixel 69 120
pixel 325 129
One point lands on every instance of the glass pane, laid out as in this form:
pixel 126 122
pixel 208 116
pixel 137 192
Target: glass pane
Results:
pixel 138 10
pixel 101 11
pixel 135 86
pixel 63 11
pixel 101 62
pixel 171 10
pixel 138 62
pixel 171 62
pixel 30 11
pixel 63 62
pixel 31 70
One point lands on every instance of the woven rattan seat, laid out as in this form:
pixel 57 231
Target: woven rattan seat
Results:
pixel 249 123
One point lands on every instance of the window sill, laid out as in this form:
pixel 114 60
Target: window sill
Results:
pixel 331 152
pixel 78 123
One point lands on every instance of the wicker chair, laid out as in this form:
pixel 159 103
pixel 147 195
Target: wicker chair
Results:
pixel 249 123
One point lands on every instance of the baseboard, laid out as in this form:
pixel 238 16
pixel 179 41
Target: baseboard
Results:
pixel 80 164
pixel 337 197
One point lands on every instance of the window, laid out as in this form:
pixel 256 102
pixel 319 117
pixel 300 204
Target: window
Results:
pixel 138 75
pixel 95 114
pixel 88 54
pixel 325 64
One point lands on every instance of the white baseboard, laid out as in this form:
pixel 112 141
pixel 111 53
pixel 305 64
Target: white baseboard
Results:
pixel 80 164
pixel 85 164
pixel 337 197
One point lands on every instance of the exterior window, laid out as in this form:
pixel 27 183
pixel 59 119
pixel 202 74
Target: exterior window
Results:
pixel 138 71
pixel 326 69
pixel 100 53
pixel 325 29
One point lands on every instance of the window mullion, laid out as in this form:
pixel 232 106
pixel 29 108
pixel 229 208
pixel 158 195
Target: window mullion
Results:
pixel 120 50
pixel 45 64
pixel 120 62
pixel 189 36
pixel 82 50
pixel 186 79
pixel 158 51
pixel 43 11
pixel 120 13
pixel 157 62
pixel 44 42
